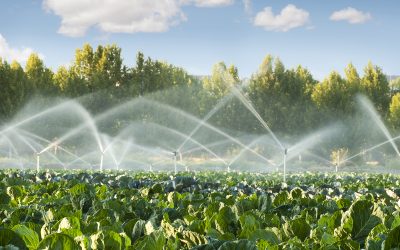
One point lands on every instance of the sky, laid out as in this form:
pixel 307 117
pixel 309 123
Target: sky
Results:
pixel 321 35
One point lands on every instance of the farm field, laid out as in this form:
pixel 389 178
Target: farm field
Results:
pixel 204 210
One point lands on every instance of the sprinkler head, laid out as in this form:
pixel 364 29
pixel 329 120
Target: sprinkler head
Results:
pixel 285 151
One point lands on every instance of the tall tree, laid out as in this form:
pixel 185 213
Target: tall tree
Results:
pixel 394 111
pixel 333 94
pixel 108 68
pixel 40 77
pixel 376 86
pixel 221 80
pixel 14 88
pixel 281 96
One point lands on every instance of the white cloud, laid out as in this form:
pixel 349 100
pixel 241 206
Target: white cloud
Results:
pixel 128 16
pixel 247 6
pixel 212 3
pixel 351 15
pixel 9 54
pixel 289 18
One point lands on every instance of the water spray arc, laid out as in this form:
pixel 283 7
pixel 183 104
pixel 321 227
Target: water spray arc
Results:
pixel 67 144
pixel 371 148
pixel 214 110
pixel 251 144
pixel 369 108
pixel 250 107
pixel 168 108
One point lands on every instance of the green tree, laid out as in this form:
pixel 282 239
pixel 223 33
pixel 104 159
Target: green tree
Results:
pixel 394 111
pixel 69 83
pixel 61 78
pixel 14 92
pixel 221 80
pixel 352 78
pixel 394 85
pixel 376 86
pixel 83 66
pixel 151 75
pixel 337 94
pixel 40 77
pixel 108 68
pixel 282 96
pixel 216 87
pixel 333 94
pixel 100 73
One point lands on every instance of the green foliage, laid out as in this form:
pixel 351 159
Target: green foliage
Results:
pixel 360 219
pixel 334 94
pixel 394 111
pixel 314 215
pixel 297 228
pixel 278 93
pixel 376 86
pixel 222 79
pixel 58 241
pixel 393 239
pixel 9 237
pixel 15 89
pixel 155 240
pixel 238 245
pixel 291 101
pixel 40 78
pixel 29 236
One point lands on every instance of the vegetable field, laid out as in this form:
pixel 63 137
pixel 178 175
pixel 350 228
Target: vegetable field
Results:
pixel 206 210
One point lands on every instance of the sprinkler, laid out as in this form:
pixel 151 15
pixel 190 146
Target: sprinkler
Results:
pixel 284 165
pixel 37 162
pixel 101 161
pixel 55 145
pixel 229 169
pixel 337 162
pixel 175 154
pixel 151 168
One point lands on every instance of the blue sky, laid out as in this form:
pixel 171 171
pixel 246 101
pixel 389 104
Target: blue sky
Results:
pixel 195 34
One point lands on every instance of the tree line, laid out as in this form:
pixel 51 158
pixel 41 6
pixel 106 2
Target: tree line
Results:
pixel 290 100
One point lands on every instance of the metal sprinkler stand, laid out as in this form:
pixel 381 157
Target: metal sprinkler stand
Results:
pixel 37 162
pixel 337 162
pixel 175 154
pixel 284 164
pixel 101 161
